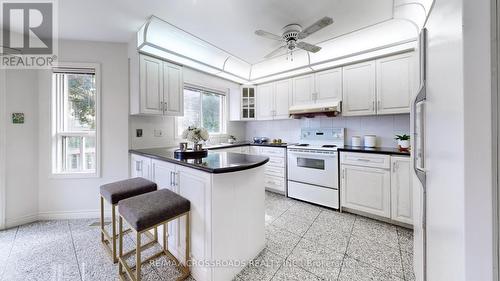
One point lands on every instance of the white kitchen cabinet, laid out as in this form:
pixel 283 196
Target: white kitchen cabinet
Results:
pixel 173 92
pixel 302 89
pixel 140 167
pixel 156 86
pixel 401 190
pixel 359 89
pixel 273 100
pixel 248 103
pixel 282 99
pixel 366 189
pixel 151 85
pixel 328 85
pixel 395 83
pixel 265 101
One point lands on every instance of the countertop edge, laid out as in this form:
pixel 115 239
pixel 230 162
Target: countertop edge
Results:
pixel 208 170
pixel 381 151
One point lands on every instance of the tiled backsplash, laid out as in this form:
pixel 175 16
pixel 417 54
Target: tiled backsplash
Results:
pixel 384 127
pixel 149 124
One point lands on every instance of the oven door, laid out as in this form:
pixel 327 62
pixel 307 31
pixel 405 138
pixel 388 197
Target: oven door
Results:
pixel 313 168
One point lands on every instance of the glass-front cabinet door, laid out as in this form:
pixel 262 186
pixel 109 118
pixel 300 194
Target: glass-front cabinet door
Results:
pixel 248 103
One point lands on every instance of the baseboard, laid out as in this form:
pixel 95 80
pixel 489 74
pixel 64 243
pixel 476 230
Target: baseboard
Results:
pixel 56 215
pixel 20 220
pixel 68 215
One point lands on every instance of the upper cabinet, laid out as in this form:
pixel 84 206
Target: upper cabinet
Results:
pixel 273 100
pixel 328 85
pixel 303 89
pixel 265 101
pixel 248 98
pixel 282 99
pixel 155 87
pixel 394 84
pixel 359 91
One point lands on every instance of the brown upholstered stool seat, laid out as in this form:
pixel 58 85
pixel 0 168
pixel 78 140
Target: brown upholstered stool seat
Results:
pixel 147 210
pixel 116 191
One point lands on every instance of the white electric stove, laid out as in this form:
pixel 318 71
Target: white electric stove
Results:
pixel 313 166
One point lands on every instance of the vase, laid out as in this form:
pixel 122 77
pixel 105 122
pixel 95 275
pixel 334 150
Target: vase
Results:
pixel 198 147
pixel 404 144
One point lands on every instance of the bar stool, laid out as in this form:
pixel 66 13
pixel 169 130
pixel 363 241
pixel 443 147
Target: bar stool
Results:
pixel 144 213
pixel 113 193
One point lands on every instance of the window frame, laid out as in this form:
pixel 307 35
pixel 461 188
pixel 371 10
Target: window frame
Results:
pixel 224 104
pixel 57 133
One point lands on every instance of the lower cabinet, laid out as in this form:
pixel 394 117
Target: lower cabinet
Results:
pixel 377 184
pixel 401 191
pixel 140 166
pixel 366 189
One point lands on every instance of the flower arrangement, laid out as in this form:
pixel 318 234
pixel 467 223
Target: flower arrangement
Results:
pixel 195 135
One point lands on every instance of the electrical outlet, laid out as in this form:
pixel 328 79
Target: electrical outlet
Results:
pixel 138 133
pixel 158 133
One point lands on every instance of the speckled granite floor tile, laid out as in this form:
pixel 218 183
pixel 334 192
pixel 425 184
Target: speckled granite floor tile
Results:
pixel 376 231
pixel 304 210
pixel 262 268
pixel 280 241
pixel 292 223
pixel 408 272
pixel 376 254
pixel 294 273
pixel 328 236
pixel 316 259
pixel 336 220
pixel 353 270
pixel 405 237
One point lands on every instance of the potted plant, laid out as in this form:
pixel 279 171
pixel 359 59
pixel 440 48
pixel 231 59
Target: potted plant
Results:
pixel 403 141
pixel 195 135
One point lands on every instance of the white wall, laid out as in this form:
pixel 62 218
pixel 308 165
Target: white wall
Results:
pixel 80 197
pixel 21 147
pixel 385 127
pixel 167 124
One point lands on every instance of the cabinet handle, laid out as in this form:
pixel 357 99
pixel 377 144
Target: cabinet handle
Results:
pixel 176 177
pixel 378 104
pixel 171 179
pixel 364 160
pixel 138 166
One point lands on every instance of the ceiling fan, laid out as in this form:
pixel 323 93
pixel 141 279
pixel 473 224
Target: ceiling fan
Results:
pixel 292 33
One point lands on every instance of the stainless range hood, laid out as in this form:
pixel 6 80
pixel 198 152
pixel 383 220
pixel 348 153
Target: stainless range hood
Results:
pixel 332 108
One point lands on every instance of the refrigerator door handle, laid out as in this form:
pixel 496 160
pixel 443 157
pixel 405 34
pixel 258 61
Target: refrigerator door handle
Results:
pixel 419 134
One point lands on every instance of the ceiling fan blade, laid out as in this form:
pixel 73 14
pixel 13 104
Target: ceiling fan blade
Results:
pixel 268 35
pixel 308 47
pixel 275 52
pixel 324 22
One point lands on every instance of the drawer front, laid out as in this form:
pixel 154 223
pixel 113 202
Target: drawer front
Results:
pixel 272 151
pixel 275 171
pixel 328 197
pixel 366 160
pixel 275 183
pixel 276 161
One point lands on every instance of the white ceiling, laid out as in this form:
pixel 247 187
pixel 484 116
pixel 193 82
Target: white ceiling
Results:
pixel 228 24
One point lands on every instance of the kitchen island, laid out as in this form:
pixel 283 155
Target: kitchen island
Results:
pixel 226 191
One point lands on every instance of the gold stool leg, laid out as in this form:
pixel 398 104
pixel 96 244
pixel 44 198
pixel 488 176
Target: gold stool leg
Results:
pixel 102 219
pixel 155 234
pixel 188 236
pixel 165 238
pixel 113 238
pixel 138 258
pixel 120 245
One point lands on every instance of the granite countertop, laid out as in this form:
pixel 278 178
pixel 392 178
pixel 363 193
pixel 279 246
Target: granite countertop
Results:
pixel 379 150
pixel 216 162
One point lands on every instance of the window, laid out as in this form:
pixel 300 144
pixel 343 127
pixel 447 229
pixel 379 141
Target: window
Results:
pixel 202 108
pixel 75 120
